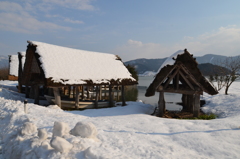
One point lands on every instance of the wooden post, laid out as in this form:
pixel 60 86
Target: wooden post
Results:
pixel 82 92
pixel 100 92
pixel 88 92
pixel 196 107
pixel 26 91
pixel 161 104
pixel 36 94
pixel 110 96
pixel 97 96
pixel 123 97
pixel 190 103
pixel 118 93
pixel 57 96
pixel 184 101
pixel 77 98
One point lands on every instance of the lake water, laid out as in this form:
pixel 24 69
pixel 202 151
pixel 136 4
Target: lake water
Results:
pixel 170 98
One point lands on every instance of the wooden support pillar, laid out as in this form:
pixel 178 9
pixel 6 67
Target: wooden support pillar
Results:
pixel 184 101
pixel 118 93
pixel 190 104
pixel 82 92
pixel 77 98
pixel 69 91
pixel 100 92
pixel 110 96
pixel 96 97
pixel 196 107
pixel 36 94
pixel 123 96
pixel 88 92
pixel 57 96
pixel 161 104
pixel 27 91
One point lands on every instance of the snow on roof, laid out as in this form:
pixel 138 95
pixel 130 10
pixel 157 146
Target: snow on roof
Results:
pixel 14 63
pixel 170 60
pixel 72 66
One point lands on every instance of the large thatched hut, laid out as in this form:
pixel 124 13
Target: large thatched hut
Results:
pixel 180 74
pixel 70 72
pixel 14 65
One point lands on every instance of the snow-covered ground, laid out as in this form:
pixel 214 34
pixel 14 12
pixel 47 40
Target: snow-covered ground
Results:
pixel 119 132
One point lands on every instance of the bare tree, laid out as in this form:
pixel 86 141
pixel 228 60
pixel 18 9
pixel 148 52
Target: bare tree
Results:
pixel 228 73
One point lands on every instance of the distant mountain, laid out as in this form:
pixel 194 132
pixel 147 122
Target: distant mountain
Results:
pixel 144 65
pixel 4 61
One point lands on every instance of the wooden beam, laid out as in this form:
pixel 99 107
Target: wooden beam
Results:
pixel 123 96
pixel 196 107
pixel 77 98
pixel 180 91
pixel 177 81
pixel 161 104
pixel 57 96
pixel 186 80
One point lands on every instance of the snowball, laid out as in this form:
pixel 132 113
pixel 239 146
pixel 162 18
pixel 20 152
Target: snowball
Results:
pixel 45 145
pixel 42 134
pixel 28 128
pixel 60 129
pixel 60 144
pixel 85 130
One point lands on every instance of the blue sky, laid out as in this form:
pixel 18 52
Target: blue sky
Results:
pixel 129 28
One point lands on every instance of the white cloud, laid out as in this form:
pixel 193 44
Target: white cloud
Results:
pixel 14 18
pixel 73 21
pixel 74 4
pixel 224 41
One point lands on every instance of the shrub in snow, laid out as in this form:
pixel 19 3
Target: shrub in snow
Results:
pixel 28 129
pixel 60 144
pixel 42 134
pixel 85 130
pixel 60 129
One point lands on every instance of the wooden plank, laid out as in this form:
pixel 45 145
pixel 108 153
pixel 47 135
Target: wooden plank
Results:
pixel 184 101
pixel 57 96
pixel 77 98
pixel 181 91
pixel 123 96
pixel 161 104
pixel 196 107
pixel 186 80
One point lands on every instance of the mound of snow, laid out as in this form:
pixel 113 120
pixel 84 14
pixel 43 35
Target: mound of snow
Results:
pixel 28 129
pixel 60 144
pixel 60 129
pixel 85 130
pixel 42 134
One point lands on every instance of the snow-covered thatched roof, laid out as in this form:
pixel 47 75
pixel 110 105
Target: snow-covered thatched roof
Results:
pixel 72 66
pixel 14 63
pixel 183 60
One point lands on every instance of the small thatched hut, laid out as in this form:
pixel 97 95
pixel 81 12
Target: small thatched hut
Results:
pixel 180 74
pixel 71 71
pixel 14 65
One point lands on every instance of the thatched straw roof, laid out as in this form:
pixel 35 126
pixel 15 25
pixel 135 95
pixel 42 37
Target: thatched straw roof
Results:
pixel 188 63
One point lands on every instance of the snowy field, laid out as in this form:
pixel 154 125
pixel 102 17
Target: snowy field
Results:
pixel 121 132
